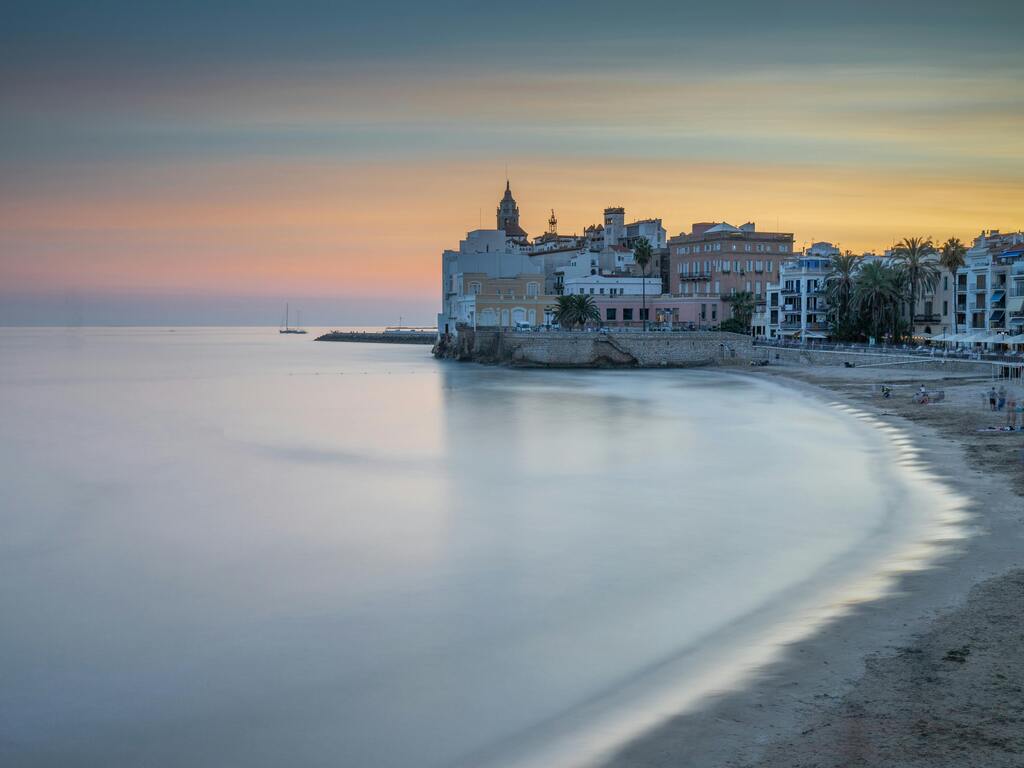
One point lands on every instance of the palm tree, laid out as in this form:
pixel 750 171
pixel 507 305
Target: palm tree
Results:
pixel 839 287
pixel 951 258
pixel 642 255
pixel 743 303
pixel 915 258
pixel 576 309
pixel 875 296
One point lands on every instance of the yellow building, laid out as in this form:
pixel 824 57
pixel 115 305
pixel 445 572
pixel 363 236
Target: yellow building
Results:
pixel 503 301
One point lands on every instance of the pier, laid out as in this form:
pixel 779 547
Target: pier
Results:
pixel 381 337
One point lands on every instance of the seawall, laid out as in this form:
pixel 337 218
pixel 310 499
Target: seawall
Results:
pixel 586 349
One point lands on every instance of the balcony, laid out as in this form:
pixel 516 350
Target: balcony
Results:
pixel 810 326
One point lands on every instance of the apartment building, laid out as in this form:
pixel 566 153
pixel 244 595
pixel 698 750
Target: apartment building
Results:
pixel 990 286
pixel 717 258
pixel 797 306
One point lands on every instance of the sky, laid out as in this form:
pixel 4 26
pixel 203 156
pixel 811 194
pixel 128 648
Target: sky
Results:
pixel 205 162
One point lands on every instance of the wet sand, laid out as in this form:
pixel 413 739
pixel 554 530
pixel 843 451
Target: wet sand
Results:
pixel 932 675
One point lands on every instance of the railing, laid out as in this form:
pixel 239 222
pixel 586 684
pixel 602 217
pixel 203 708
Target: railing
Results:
pixel 923 318
pixel 808 326
pixel 904 350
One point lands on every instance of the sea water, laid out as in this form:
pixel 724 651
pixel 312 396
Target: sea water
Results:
pixel 233 547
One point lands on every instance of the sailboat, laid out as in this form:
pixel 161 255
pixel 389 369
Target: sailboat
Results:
pixel 287 328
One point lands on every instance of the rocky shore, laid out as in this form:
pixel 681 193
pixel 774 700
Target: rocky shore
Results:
pixel 932 675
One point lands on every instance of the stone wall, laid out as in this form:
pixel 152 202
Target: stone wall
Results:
pixel 564 349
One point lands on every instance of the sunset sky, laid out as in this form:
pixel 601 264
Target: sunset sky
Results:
pixel 205 162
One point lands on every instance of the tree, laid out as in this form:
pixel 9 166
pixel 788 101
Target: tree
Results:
pixel 576 309
pixel 951 258
pixel 743 303
pixel 642 255
pixel 839 288
pixel 876 296
pixel 915 258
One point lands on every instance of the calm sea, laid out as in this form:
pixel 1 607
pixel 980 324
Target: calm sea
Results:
pixel 232 547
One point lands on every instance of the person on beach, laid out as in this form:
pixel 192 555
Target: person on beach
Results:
pixel 1002 398
pixel 992 399
pixel 1011 411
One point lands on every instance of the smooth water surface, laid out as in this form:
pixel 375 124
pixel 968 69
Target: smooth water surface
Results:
pixel 231 547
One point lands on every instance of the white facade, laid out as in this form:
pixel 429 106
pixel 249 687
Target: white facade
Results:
pixel 487 251
pixel 796 305
pixel 608 285
pixel 991 284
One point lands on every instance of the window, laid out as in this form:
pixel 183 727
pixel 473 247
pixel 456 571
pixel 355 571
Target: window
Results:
pixel 945 284
pixel 686 287
pixel 602 290
pixel 532 289
pixel 703 311
pixel 750 265
pixel 707 247
pixel 759 266
pixel 714 311
pixel 475 287
pixel 748 286
pixel 783 249
pixel 734 246
pixel 707 267
pixel 627 313
pixel 746 247
pixel 945 308
pixel 645 314
pixel 609 314
pixel 718 286
pixel 718 246
pixel 769 262
pixel 757 287
pixel 591 291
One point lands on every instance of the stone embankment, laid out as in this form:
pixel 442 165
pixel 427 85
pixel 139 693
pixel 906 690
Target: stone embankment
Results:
pixel 413 337
pixel 587 349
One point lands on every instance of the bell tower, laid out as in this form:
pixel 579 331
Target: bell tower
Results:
pixel 508 214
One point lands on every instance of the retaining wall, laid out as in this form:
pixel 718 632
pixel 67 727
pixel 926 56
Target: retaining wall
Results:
pixel 564 349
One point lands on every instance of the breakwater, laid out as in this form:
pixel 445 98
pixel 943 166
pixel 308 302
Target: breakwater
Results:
pixel 372 337
pixel 587 349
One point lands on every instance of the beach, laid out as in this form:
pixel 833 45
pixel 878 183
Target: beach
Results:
pixel 930 675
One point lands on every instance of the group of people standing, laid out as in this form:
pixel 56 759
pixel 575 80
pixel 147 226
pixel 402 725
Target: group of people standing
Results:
pixel 1000 399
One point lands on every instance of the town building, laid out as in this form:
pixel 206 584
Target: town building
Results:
pixel 505 302
pixel 796 306
pixel 716 258
pixel 678 312
pixel 612 285
pixel 990 286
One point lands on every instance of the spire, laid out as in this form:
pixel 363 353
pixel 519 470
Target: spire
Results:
pixel 552 224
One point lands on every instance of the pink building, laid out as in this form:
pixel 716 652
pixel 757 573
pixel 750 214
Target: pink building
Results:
pixel 679 311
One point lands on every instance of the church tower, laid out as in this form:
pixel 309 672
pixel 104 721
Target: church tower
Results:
pixel 508 215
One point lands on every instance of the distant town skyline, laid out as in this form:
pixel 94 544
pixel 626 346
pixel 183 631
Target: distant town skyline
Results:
pixel 207 162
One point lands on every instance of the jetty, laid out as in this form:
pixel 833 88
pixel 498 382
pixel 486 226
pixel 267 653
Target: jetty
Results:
pixel 426 337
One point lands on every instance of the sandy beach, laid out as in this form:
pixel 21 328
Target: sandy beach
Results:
pixel 933 674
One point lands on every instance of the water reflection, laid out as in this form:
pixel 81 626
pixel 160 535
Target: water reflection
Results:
pixel 225 547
